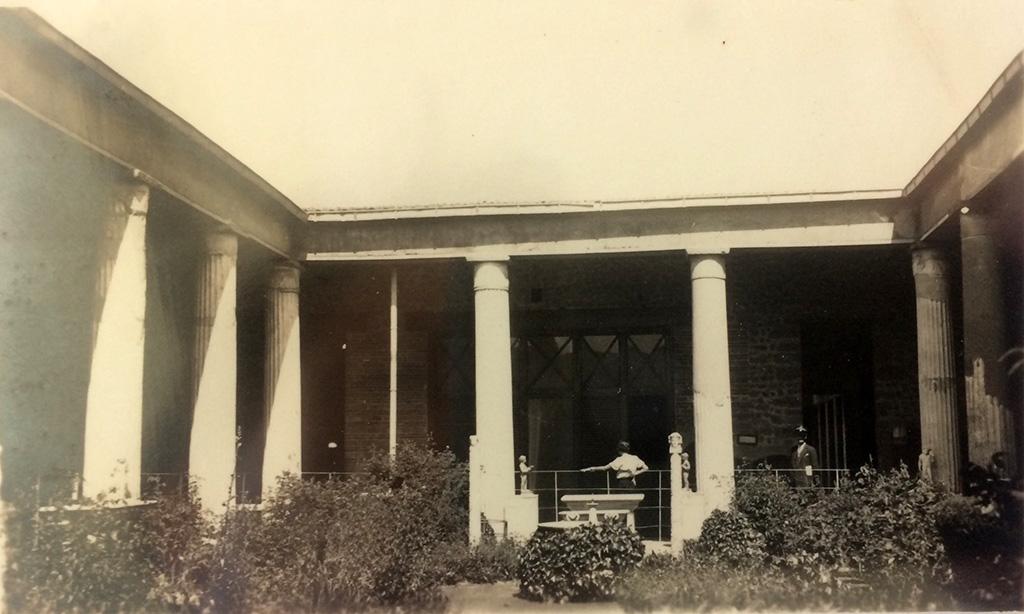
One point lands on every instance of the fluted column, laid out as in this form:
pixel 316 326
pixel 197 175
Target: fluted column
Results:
pixel 282 452
pixel 113 419
pixel 989 423
pixel 212 446
pixel 935 365
pixel 494 387
pixel 712 397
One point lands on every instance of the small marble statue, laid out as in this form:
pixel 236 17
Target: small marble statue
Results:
pixel 925 462
pixel 686 470
pixel 524 474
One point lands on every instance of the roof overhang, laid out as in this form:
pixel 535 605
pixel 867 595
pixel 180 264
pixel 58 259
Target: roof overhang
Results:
pixel 982 148
pixel 48 76
pixel 696 226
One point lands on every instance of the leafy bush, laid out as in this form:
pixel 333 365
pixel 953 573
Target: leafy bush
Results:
pixel 490 561
pixel 363 542
pixel 699 584
pixel 578 564
pixel 731 539
pixel 77 559
pixel 774 508
pixel 871 522
pixel 387 540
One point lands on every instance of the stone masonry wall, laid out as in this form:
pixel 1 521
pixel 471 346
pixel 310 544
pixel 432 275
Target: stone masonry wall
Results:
pixel 367 368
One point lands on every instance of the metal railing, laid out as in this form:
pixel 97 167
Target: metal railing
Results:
pixel 652 515
pixel 821 478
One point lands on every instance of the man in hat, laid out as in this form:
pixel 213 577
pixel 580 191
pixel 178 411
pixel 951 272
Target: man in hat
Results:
pixel 805 459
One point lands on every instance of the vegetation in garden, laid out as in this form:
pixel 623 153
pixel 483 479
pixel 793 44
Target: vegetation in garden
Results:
pixel 386 540
pixel 580 564
pixel 879 542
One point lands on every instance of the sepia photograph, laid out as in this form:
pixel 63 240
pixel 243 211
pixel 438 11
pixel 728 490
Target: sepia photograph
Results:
pixel 458 307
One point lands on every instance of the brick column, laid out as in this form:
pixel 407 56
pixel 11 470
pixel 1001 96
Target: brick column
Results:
pixel 282 452
pixel 113 419
pixel 212 445
pixel 989 423
pixel 935 367
pixel 494 388
pixel 712 397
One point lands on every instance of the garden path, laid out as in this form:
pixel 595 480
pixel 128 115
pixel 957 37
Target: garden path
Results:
pixel 501 597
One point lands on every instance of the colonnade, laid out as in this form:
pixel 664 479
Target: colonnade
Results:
pixel 114 409
pixel 113 432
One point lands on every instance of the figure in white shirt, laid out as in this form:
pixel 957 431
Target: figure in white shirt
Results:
pixel 626 467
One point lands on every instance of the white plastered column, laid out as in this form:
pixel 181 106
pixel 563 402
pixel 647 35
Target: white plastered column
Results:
pixel 113 420
pixel 712 397
pixel 496 486
pixel 282 452
pixel 212 445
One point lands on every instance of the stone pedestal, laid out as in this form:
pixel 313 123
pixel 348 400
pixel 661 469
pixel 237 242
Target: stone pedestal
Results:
pixel 494 387
pixel 712 397
pixel 112 464
pixel 522 516
pixel 283 450
pixel 675 450
pixel 693 512
pixel 212 446
pixel 935 366
pixel 475 486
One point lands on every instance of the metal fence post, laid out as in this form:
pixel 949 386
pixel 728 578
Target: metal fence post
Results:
pixel 556 494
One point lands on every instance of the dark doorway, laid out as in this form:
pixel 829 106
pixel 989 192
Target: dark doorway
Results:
pixel 838 371
pixel 649 423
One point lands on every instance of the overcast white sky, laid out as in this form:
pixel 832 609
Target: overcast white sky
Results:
pixel 359 103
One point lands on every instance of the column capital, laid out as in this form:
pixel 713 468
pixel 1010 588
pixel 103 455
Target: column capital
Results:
pixel 929 261
pixel 284 277
pixel 490 275
pixel 136 198
pixel 931 272
pixel 221 241
pixel 707 266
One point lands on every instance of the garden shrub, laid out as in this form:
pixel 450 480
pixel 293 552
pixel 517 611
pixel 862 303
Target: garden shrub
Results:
pixel 697 583
pixel 76 558
pixel 578 564
pixel 774 509
pixel 364 542
pixel 488 562
pixel 731 539
pixel 386 540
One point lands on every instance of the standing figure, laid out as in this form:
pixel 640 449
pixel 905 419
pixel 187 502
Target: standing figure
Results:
pixel 524 475
pixel 626 467
pixel 925 463
pixel 805 458
pixel 686 470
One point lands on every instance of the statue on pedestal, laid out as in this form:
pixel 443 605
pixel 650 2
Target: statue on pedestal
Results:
pixel 524 475
pixel 925 463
